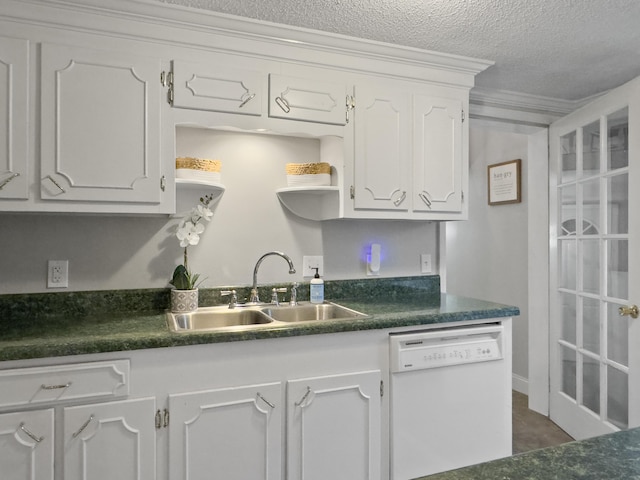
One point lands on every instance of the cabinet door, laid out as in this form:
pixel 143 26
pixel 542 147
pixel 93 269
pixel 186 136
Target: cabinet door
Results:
pixel 307 100
pixel 333 427
pixel 217 87
pixel 100 126
pixel 26 445
pixel 231 433
pixel 14 85
pixel 382 157
pixel 437 154
pixel 110 440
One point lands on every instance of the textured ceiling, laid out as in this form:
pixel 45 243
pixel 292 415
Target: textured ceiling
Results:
pixel 565 49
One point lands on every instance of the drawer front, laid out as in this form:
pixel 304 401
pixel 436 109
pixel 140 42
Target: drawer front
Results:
pixel 77 381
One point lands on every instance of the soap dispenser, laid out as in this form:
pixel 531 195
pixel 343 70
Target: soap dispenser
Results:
pixel 317 288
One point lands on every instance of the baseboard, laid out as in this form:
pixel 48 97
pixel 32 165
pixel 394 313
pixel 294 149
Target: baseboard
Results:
pixel 520 384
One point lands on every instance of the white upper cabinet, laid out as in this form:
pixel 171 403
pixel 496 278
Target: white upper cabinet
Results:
pixel 100 126
pixel 216 86
pixel 437 154
pixel 14 86
pixel 307 100
pixel 409 159
pixel 382 170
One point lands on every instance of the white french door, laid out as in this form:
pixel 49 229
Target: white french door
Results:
pixel 595 266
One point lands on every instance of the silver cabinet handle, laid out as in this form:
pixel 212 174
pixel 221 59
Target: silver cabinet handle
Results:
pixel 247 100
pixel 8 180
pixel 283 104
pixel 31 435
pixel 265 400
pixel 84 425
pixel 62 190
pixel 55 387
pixel 424 197
pixel 304 397
pixel 398 201
pixel 163 183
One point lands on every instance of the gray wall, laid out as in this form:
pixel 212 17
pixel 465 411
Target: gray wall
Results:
pixel 111 252
pixel 486 257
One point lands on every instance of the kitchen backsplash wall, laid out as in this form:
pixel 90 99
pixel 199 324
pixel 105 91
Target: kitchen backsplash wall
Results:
pixel 119 252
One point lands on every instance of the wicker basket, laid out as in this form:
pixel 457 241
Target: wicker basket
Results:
pixel 308 168
pixel 198 169
pixel 308 174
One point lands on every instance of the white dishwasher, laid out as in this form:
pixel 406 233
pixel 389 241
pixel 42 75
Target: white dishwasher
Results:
pixel 450 399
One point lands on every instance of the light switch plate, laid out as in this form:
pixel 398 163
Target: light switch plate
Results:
pixel 425 263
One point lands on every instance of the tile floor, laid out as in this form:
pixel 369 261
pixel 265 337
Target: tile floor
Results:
pixel 532 430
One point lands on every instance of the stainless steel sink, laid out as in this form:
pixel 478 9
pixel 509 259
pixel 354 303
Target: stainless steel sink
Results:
pixel 309 312
pixel 217 318
pixel 247 317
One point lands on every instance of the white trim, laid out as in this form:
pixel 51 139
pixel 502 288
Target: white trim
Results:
pixel 535 110
pixel 218 24
pixel 520 384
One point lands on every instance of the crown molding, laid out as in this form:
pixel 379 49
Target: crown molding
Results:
pixel 503 105
pixel 210 22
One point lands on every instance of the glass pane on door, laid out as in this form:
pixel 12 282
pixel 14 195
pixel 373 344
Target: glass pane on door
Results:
pixel 591 383
pixel 591 149
pixel 618 139
pixel 618 397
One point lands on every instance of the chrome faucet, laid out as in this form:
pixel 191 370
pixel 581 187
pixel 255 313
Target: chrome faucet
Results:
pixel 254 288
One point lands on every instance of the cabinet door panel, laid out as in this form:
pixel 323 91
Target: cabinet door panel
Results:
pixel 110 440
pixel 216 87
pixel 437 150
pixel 231 433
pixel 333 427
pixel 26 445
pixel 100 126
pixel 308 100
pixel 14 85
pixel 382 159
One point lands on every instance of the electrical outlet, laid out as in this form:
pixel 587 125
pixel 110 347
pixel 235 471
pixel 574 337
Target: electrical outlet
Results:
pixel 58 274
pixel 425 263
pixel 310 263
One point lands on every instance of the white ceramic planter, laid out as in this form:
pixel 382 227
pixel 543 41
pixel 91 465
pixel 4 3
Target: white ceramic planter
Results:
pixel 184 301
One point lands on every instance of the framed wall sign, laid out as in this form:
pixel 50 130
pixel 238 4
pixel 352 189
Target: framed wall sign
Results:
pixel 504 182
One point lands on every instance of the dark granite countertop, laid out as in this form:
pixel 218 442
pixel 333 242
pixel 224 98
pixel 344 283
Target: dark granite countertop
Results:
pixel 609 457
pixel 38 326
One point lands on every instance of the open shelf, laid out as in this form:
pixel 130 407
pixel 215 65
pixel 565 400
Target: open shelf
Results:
pixel 312 203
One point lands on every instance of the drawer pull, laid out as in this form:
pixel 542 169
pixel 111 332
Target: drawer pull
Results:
pixel 84 425
pixel 31 435
pixel 55 387
pixel 265 400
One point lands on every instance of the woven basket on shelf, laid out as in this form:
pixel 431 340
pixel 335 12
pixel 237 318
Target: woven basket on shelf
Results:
pixel 198 169
pixel 198 164
pixel 308 168
pixel 308 174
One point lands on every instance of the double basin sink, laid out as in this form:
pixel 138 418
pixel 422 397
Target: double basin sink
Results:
pixel 223 318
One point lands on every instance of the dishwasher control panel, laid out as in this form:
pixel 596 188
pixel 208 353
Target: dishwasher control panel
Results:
pixel 429 349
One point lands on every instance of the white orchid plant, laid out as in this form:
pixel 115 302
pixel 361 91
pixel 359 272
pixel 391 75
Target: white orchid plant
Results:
pixel 188 233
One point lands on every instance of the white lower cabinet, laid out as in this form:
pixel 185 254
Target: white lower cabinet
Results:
pixel 230 433
pixel 333 427
pixel 26 445
pixel 110 440
pixel 332 430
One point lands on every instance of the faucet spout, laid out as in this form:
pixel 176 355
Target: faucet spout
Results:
pixel 254 288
